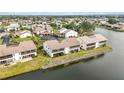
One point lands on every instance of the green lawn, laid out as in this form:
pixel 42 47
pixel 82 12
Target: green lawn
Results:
pixel 82 52
pixel 42 60
pixel 1 40
pixel 55 30
pixel 19 39
pixel 20 68
pixel 104 27
pixel 36 40
pixel 2 26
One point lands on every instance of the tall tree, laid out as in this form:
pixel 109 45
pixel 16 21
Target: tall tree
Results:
pixel 112 21
pixel 86 27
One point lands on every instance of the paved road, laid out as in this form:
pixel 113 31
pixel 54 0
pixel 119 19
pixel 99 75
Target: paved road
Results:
pixel 6 39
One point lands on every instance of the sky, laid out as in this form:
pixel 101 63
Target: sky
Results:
pixel 61 7
pixel 61 13
pixel 64 7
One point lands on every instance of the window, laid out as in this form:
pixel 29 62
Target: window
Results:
pixel 5 57
pixel 54 50
pixel 102 41
pixel 75 46
pixel 90 44
pixel 26 52
pixel 57 50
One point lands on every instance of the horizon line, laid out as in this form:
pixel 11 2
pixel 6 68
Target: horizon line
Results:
pixel 61 13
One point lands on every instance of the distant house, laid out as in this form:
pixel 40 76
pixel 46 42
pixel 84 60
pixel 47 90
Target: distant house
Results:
pixel 24 34
pixel 68 33
pixel 63 30
pixel 1 33
pixel 48 28
pixel 0 23
pixel 27 26
pixel 103 22
pixel 38 30
pixel 90 42
pixel 19 52
pixel 13 26
pixel 53 47
pixel 44 30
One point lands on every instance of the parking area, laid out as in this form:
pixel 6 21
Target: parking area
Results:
pixel 6 39
pixel 48 37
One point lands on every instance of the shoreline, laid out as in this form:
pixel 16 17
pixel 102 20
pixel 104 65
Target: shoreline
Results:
pixel 74 60
pixel 64 61
pixel 109 28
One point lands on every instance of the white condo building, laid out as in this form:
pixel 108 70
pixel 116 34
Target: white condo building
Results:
pixel 17 52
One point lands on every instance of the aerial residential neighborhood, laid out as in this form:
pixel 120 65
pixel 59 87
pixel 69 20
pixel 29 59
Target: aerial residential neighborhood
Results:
pixel 40 41
pixel 45 41
pixel 73 44
pixel 64 40
pixel 68 40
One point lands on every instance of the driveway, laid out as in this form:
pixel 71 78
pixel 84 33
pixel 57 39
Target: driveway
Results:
pixel 6 39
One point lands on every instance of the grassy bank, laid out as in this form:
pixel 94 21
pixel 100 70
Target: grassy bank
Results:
pixel 82 52
pixel 20 68
pixel 109 28
pixel 40 61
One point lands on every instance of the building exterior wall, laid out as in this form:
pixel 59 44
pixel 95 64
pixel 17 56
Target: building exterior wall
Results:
pixel 71 34
pixel 17 57
pixel 101 44
pixel 62 31
pixel 47 49
pixel 25 35
pixel 67 50
pixel 83 45
pixel 97 44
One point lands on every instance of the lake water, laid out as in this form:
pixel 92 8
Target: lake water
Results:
pixel 109 66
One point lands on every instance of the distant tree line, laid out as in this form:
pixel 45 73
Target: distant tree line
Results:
pixel 84 27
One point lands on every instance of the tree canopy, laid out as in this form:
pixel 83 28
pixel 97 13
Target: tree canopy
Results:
pixel 81 28
pixel 86 27
pixel 112 21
